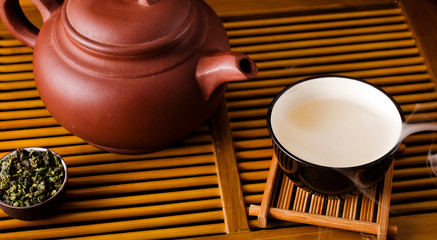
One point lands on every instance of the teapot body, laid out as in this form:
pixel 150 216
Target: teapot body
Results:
pixel 129 103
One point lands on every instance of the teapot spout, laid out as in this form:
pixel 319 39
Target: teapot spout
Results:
pixel 216 69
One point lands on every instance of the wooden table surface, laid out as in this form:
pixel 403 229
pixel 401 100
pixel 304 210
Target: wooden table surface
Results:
pixel 203 186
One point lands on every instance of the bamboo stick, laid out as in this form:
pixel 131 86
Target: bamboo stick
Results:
pixel 412 172
pixel 332 208
pixel 259 154
pixel 254 165
pixel 248 103
pixel 416 97
pixel 386 71
pixel 340 58
pixel 314 26
pixel 21 104
pixel 313 204
pixel 4 43
pixel 24 84
pixel 400 79
pixel 283 197
pixel 415 107
pixel 139 162
pixel 169 152
pixel 247 124
pixel 143 199
pixel 18 95
pixel 314 51
pixel 137 176
pixel 21 76
pixel 268 193
pixel 15 50
pixel 187 231
pixel 410 196
pixel 248 113
pixel 422 117
pixel 76 150
pixel 282 37
pixel 314 42
pixel 410 88
pixel 33 133
pixel 414 207
pixel 319 204
pixel 13 115
pixel 130 188
pixel 18 67
pixel 411 161
pixel 108 227
pixel 310 18
pixel 419 150
pixel 289 192
pixel 43 142
pixel 254 176
pixel 428 182
pixel 304 200
pixel 253 143
pixel 341 67
pixel 250 133
pixel 113 214
pixel 16 58
pixel 346 207
pixel 281 194
pixel 253 198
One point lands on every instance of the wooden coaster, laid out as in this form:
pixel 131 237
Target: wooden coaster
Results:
pixel 366 213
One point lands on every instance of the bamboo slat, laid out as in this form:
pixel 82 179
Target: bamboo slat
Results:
pixel 316 26
pixel 137 176
pixel 316 51
pixel 117 226
pixel 6 86
pixel 127 201
pixel 311 18
pixel 321 34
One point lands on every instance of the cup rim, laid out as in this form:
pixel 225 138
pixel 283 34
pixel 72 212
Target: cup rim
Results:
pixel 64 183
pixel 302 161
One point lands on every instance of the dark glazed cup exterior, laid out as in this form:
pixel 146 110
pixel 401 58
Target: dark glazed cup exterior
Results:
pixel 42 209
pixel 330 180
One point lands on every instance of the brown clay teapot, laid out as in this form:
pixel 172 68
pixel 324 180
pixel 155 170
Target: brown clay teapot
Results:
pixel 129 76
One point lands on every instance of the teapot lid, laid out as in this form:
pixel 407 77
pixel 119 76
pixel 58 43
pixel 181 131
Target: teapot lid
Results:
pixel 127 26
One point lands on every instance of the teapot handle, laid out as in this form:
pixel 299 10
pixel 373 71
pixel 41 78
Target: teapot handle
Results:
pixel 18 24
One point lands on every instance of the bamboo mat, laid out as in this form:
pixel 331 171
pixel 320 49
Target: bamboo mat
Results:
pixel 178 192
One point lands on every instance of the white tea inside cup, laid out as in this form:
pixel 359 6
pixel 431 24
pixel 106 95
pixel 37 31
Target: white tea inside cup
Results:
pixel 336 122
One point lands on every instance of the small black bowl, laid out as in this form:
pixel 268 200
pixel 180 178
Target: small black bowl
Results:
pixel 324 179
pixel 42 209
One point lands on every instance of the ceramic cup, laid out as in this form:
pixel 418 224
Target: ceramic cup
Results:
pixel 334 135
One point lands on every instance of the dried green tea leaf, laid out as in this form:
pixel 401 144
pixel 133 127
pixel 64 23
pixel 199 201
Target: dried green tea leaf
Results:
pixel 30 177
